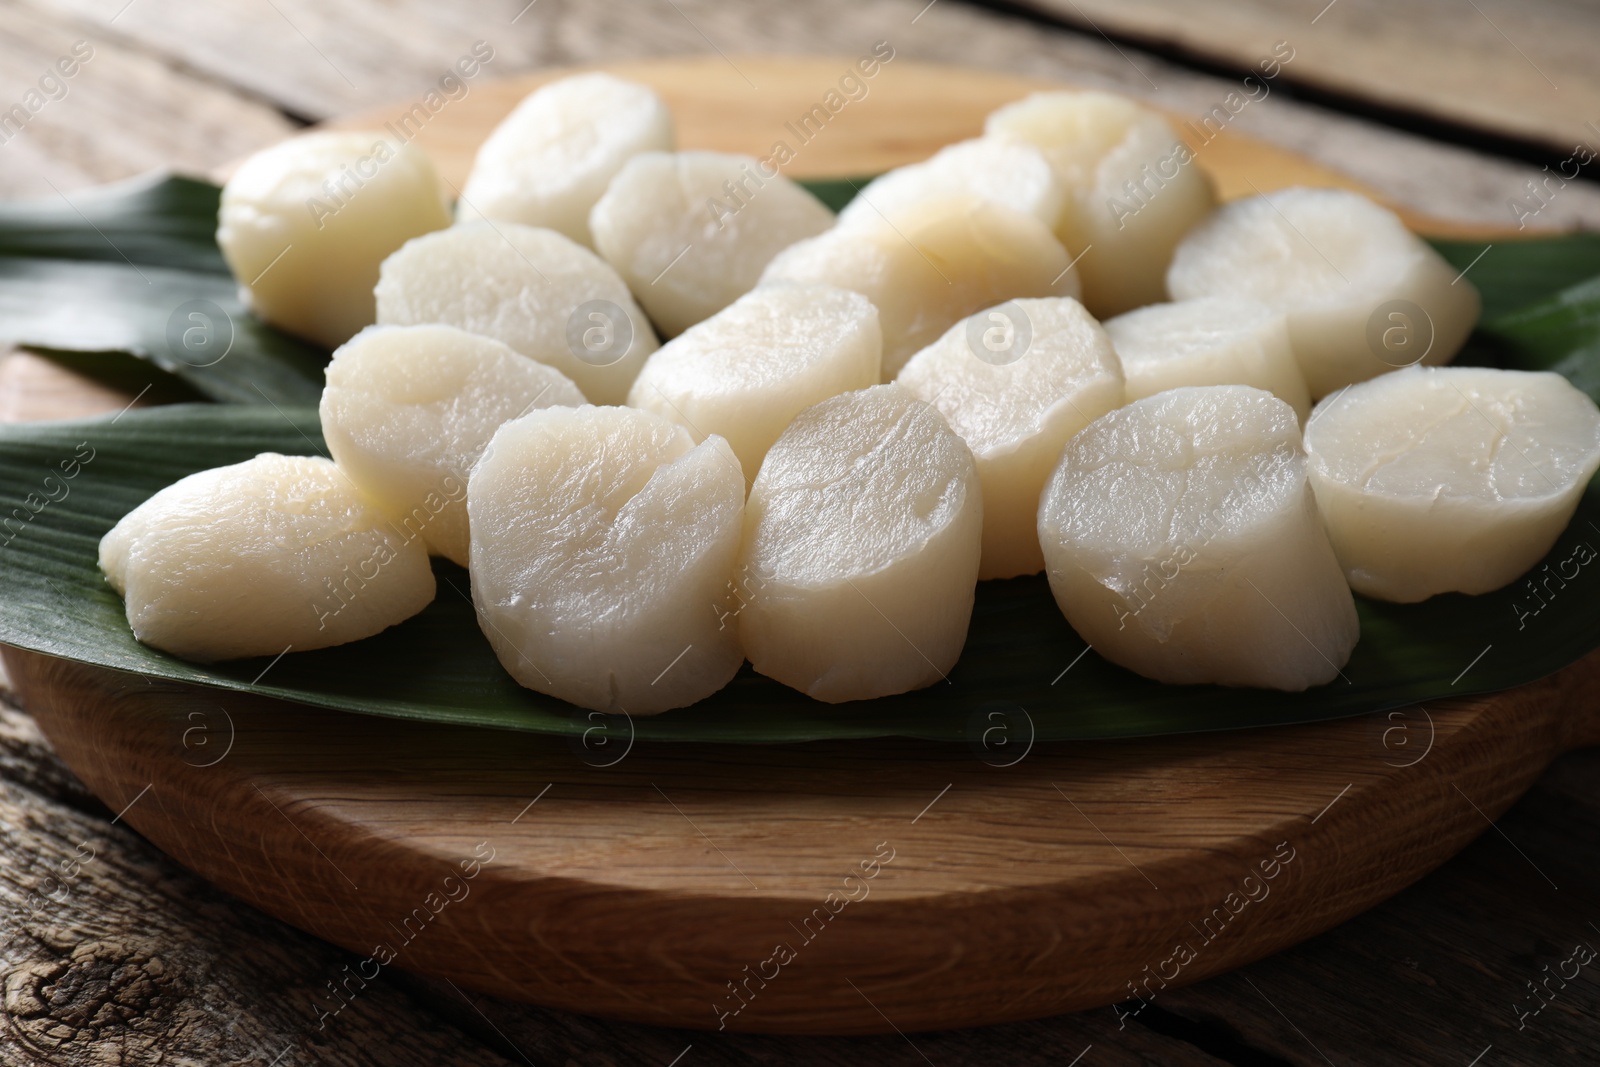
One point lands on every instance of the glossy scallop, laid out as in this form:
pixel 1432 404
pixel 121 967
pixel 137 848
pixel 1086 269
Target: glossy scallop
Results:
pixel 1363 294
pixel 1007 172
pixel 1132 189
pixel 937 263
pixel 1184 543
pixel 408 409
pixel 747 371
pixel 1209 341
pixel 274 554
pixel 533 289
pixel 603 545
pixel 550 160
pixel 861 546
pixel 1450 479
pixel 1017 382
pixel 691 232
pixel 305 224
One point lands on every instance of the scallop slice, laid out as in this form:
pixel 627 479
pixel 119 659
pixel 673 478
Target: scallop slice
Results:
pixel 691 232
pixel 304 224
pixel 747 371
pixel 408 410
pixel 1363 294
pixel 603 542
pixel 937 263
pixel 1450 479
pixel 1184 543
pixel 550 160
pixel 1013 174
pixel 861 545
pixel 264 556
pixel 548 298
pixel 1016 382
pixel 1209 341
pixel 1132 189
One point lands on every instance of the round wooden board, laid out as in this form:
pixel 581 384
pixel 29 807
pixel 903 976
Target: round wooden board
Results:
pixel 821 888
pixel 642 889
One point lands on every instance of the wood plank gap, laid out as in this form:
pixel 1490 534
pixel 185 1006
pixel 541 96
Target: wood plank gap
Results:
pixel 1533 150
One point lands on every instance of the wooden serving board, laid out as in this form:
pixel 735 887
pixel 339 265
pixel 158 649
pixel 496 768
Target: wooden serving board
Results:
pixel 818 888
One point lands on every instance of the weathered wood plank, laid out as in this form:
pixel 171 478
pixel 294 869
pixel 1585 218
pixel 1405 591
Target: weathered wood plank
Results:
pixel 122 112
pixel 1443 971
pixel 318 60
pixel 301 58
pixel 543 1036
pixel 1518 68
pixel 28 761
pixel 111 954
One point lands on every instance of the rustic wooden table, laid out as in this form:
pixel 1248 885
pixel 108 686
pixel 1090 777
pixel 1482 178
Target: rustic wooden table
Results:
pixel 112 954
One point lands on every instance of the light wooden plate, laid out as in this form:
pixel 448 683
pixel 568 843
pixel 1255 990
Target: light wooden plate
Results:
pixel 705 886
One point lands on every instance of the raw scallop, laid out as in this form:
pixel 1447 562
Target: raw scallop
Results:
pixel 1209 341
pixel 1449 479
pixel 691 232
pixel 543 295
pixel 935 264
pixel 603 548
pixel 254 559
pixel 1363 294
pixel 408 409
pixel 304 225
pixel 1010 173
pixel 861 545
pixel 1184 543
pixel 747 371
pixel 550 160
pixel 1016 382
pixel 1132 189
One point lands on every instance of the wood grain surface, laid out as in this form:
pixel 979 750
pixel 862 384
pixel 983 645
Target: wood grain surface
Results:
pixel 820 888
pixel 112 955
pixel 215 81
pixel 1522 70
pixel 817 888
pixel 909 110
pixel 1430 977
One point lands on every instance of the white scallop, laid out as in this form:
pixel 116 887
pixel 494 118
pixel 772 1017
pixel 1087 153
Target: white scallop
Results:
pixel 408 409
pixel 261 557
pixel 1132 189
pixel 550 160
pixel 304 224
pixel 1184 543
pixel 861 545
pixel 545 296
pixel 1348 274
pixel 1017 382
pixel 691 232
pixel 748 370
pixel 1013 174
pixel 1449 479
pixel 1209 341
pixel 603 544
pixel 940 261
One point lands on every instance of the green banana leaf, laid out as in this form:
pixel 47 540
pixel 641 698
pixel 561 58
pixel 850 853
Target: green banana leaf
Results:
pixel 135 270
pixel 1023 667
pixel 159 220
pixel 1024 672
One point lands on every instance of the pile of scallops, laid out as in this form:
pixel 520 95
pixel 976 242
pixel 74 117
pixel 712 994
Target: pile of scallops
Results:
pixel 673 415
